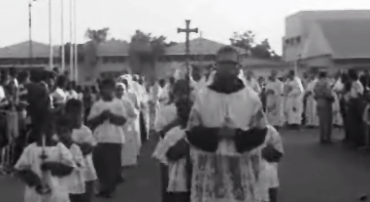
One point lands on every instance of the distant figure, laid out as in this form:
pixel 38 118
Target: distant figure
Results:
pixel 324 97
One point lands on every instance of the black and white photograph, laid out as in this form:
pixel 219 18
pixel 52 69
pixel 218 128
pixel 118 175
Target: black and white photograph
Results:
pixel 184 101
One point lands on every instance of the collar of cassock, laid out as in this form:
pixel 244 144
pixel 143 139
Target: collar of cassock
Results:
pixel 231 87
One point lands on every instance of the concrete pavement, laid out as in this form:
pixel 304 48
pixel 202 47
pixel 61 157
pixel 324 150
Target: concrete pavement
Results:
pixel 309 172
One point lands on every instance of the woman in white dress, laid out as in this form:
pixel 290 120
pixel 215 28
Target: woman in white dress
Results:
pixel 131 148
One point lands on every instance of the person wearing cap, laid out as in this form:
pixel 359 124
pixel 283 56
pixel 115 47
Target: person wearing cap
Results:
pixel 294 101
pixel 227 129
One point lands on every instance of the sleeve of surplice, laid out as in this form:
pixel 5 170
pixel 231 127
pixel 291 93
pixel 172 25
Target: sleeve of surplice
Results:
pixel 246 140
pixel 201 137
pixel 275 140
pixel 273 152
pixel 297 88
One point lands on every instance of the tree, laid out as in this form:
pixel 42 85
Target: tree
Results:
pixel 171 43
pixel 145 50
pixel 245 40
pixel 96 37
pixel 248 42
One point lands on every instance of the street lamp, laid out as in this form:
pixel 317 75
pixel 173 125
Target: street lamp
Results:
pixel 30 29
pixel 63 63
pixel 75 39
pixel 51 53
pixel 71 68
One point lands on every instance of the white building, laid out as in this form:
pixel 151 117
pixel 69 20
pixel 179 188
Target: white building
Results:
pixel 299 26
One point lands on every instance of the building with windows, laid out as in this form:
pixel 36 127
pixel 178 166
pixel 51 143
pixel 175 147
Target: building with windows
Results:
pixel 111 58
pixel 328 39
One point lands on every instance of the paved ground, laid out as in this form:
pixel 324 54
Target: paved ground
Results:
pixel 309 173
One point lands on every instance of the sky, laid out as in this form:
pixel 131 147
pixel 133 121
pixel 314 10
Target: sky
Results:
pixel 216 19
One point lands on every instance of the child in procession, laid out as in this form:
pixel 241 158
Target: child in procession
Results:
pixel 107 118
pixel 82 136
pixel 74 182
pixel 173 151
pixel 42 166
pixel 273 142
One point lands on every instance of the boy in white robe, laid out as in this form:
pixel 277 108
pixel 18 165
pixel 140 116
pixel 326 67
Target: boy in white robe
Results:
pixel 178 163
pixel 74 182
pixel 83 137
pixel 107 118
pixel 270 179
pixel 168 119
pixel 42 166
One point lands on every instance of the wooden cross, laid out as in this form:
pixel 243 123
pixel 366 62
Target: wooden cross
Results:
pixel 187 31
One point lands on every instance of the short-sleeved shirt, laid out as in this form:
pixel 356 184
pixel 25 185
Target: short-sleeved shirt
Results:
pixel 108 132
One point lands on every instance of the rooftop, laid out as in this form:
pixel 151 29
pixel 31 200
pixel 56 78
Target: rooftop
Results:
pixel 342 39
pixel 198 46
pixel 22 50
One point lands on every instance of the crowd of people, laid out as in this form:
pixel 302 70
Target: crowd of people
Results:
pixel 218 132
pixel 208 136
pixel 60 138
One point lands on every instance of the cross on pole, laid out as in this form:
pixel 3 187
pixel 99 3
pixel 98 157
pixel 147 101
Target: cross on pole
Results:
pixel 187 31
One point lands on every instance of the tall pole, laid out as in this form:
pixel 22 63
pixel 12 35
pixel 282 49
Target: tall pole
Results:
pixel 71 39
pixel 75 39
pixel 51 54
pixel 63 66
pixel 187 31
pixel 30 30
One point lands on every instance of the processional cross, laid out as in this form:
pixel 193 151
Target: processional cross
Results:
pixel 187 31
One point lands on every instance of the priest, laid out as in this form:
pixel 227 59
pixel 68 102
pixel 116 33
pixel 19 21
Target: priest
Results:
pixel 226 132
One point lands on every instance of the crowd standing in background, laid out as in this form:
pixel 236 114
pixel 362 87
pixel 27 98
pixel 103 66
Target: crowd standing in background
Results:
pixel 58 135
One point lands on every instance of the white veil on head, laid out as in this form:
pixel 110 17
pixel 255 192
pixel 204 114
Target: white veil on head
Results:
pixel 241 76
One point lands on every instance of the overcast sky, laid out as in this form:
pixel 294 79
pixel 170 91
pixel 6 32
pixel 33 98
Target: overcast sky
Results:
pixel 217 19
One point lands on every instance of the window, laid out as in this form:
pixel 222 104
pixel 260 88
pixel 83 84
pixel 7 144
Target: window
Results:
pixel 298 40
pixel 105 59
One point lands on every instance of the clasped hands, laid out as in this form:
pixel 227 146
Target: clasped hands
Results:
pixel 107 115
pixel 226 132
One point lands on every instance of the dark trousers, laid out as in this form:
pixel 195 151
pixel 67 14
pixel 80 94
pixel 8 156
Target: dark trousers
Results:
pixel 179 197
pixel 164 183
pixel 355 123
pixel 325 114
pixel 107 163
pixel 87 196
pixel 343 113
pixel 273 193
pixel 143 130
pixel 76 197
pixel 89 186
